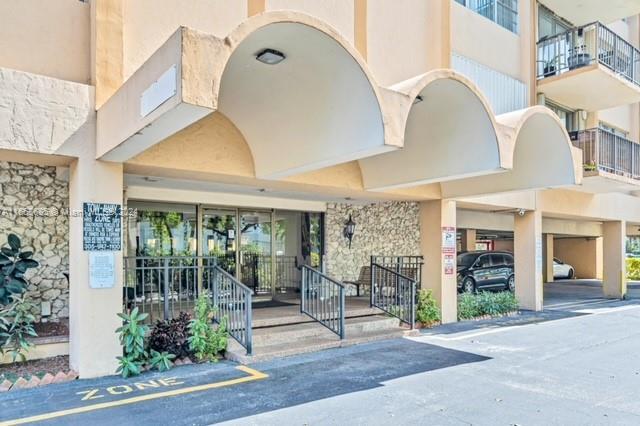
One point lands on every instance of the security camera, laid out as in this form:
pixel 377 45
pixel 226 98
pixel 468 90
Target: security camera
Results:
pixel 521 212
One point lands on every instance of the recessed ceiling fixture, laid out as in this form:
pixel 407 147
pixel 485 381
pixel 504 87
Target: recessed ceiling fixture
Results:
pixel 262 190
pixel 418 99
pixel 270 56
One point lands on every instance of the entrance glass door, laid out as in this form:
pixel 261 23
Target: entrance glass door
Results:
pixel 219 237
pixel 255 259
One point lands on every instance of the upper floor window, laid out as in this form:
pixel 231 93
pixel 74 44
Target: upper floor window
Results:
pixel 550 24
pixel 502 12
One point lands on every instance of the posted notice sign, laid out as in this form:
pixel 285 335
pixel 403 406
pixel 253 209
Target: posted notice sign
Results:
pixel 102 227
pixel 102 269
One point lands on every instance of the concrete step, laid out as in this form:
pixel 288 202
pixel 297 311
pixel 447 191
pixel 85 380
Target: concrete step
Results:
pixel 299 318
pixel 288 340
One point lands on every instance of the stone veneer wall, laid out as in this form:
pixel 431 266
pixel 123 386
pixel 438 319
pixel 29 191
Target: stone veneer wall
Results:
pixel 391 228
pixel 33 205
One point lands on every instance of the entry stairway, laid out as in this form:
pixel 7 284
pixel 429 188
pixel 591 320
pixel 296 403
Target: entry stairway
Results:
pixel 286 336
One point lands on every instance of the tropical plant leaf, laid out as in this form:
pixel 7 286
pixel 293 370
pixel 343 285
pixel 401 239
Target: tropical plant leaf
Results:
pixel 14 242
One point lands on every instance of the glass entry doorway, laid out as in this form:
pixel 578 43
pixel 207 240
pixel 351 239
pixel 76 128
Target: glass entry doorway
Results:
pixel 264 249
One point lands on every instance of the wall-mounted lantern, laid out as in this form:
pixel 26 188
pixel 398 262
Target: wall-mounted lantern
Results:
pixel 349 230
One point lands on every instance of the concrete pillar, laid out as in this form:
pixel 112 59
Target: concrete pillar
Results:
pixel 93 343
pixel 614 268
pixel 468 240
pixel 437 227
pixel 547 254
pixel 527 242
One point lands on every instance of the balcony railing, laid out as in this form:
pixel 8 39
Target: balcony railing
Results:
pixel 608 152
pixel 586 45
pixel 502 12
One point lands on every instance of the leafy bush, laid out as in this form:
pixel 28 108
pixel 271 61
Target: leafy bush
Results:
pixel 486 303
pixel 16 325
pixel 13 264
pixel 633 269
pixel 161 361
pixel 427 311
pixel 132 335
pixel 205 342
pixel 171 336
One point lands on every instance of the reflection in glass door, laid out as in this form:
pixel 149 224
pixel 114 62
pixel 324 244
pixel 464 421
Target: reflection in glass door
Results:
pixel 255 251
pixel 219 237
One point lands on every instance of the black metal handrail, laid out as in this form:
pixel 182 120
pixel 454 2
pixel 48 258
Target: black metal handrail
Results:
pixel 322 298
pixel 607 151
pixel 164 285
pixel 394 293
pixel 585 45
pixel 409 265
pixel 232 302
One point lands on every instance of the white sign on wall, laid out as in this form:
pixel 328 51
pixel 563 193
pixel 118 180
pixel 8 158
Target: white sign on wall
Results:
pixel 102 269
pixel 159 92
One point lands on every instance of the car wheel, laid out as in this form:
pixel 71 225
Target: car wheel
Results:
pixel 511 283
pixel 468 286
pixel 570 274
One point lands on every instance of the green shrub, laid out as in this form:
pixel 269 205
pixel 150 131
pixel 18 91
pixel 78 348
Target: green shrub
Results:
pixel 161 361
pixel 633 269
pixel 206 342
pixel 132 334
pixel 427 311
pixel 13 264
pixel 486 303
pixel 16 325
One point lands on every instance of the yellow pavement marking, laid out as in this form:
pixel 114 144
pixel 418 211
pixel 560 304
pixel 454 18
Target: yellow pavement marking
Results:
pixel 252 375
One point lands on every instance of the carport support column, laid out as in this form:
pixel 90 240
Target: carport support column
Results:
pixel 614 268
pixel 437 228
pixel 468 240
pixel 547 251
pixel 93 343
pixel 528 259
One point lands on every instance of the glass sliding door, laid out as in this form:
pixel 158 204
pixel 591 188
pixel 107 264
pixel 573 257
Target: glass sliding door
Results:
pixel 255 254
pixel 219 230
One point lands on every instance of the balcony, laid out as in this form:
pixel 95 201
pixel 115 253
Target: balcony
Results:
pixel 589 68
pixel 611 162
pixel 585 11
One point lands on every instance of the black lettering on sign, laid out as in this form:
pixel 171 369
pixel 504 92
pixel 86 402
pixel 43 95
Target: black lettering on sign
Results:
pixel 102 227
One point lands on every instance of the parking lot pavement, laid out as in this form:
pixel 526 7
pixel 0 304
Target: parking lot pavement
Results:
pixel 574 295
pixel 205 394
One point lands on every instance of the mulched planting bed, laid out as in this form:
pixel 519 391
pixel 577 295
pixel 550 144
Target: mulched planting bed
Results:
pixel 38 367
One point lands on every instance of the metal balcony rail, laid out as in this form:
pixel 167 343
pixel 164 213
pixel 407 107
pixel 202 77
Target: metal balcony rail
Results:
pixel 394 293
pixel 586 45
pixel 409 266
pixel 606 151
pixel 322 298
pixel 232 305
pixel 164 286
pixel 502 12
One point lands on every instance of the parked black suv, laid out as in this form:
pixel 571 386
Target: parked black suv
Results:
pixel 485 270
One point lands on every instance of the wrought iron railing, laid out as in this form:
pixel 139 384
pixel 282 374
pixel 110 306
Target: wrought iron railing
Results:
pixel 288 274
pixel 409 266
pixel 587 45
pixel 232 304
pixel 394 293
pixel 502 12
pixel 164 286
pixel 606 151
pixel 322 298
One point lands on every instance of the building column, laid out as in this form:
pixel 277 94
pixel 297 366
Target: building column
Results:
pixel 614 282
pixel 547 251
pixel 468 240
pixel 93 343
pixel 528 259
pixel 438 245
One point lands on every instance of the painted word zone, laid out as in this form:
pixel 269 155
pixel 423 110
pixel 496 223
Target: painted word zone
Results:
pixel 91 394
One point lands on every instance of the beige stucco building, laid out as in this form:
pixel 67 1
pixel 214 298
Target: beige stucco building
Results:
pixel 250 131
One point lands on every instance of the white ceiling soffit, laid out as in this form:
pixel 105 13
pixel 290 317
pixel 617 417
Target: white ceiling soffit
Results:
pixel 317 108
pixel 580 12
pixel 449 133
pixel 543 157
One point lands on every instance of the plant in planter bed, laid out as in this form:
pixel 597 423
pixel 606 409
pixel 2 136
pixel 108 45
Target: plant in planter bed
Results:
pixel 205 342
pixel 427 311
pixel 171 336
pixel 16 319
pixel 486 303
pixel 132 333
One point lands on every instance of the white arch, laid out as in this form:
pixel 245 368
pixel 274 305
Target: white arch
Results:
pixel 543 157
pixel 449 133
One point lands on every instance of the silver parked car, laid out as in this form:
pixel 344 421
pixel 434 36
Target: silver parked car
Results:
pixel 562 270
